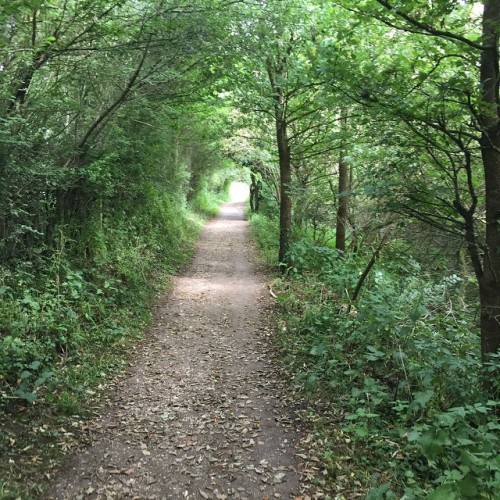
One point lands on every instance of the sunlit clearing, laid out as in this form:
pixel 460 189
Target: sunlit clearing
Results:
pixel 238 192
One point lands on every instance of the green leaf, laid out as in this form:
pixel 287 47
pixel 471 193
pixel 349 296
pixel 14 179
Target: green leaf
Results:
pixel 382 491
pixel 26 395
pixel 444 492
pixel 433 443
pixel 43 378
pixel 311 381
pixel 318 350
pixel 414 435
pixel 467 487
pixel 422 398
pixel 361 431
pixel 35 365
pixel 29 396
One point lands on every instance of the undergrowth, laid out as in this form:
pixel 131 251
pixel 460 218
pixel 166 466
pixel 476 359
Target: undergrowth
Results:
pixel 67 326
pixel 399 370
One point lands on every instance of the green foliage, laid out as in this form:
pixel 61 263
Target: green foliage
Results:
pixel 87 239
pixel 210 192
pixel 401 365
pixel 102 161
pixel 266 232
pixel 61 312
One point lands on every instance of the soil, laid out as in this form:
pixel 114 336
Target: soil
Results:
pixel 201 413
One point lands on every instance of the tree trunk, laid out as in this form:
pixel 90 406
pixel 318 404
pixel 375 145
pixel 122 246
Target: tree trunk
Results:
pixel 284 161
pixel 285 198
pixel 343 208
pixel 27 73
pixel 121 99
pixel 489 282
pixel 490 317
pixel 343 192
pixel 368 268
pixel 254 192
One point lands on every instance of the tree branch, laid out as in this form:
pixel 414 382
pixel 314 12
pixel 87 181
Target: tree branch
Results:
pixel 427 29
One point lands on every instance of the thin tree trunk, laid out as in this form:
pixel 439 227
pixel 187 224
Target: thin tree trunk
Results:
pixel 285 164
pixel 343 192
pixel 489 282
pixel 343 208
pixel 369 266
pixel 253 192
pixel 117 103
pixel 26 75
pixel 285 198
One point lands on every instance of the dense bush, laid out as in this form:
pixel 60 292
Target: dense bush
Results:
pixel 54 312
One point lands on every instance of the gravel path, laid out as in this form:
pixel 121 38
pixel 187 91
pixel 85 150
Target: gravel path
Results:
pixel 200 414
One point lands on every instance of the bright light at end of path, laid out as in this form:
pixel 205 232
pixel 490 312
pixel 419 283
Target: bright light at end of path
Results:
pixel 238 192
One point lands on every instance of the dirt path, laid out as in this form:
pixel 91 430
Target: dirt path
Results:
pixel 199 415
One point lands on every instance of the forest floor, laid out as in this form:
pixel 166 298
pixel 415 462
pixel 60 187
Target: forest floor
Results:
pixel 202 412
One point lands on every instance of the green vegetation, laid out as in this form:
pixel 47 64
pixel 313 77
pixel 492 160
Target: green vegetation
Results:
pixel 399 370
pixel 106 170
pixel 80 291
pixel 386 175
pixel 369 131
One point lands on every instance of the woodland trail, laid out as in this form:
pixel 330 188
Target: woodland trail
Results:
pixel 200 414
